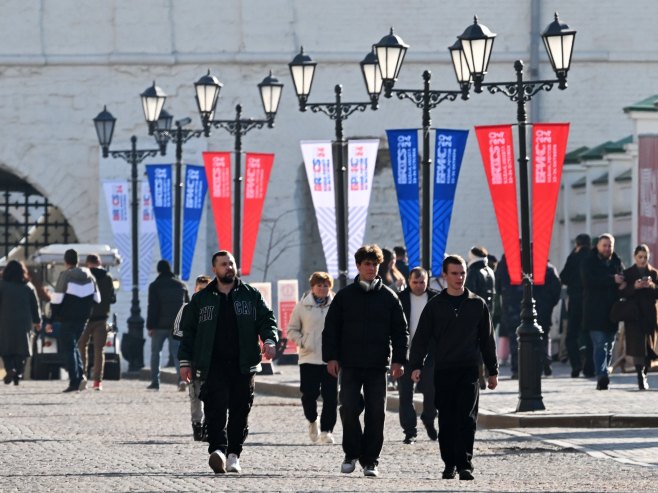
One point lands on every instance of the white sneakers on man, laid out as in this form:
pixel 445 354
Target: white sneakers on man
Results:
pixel 233 464
pixel 313 431
pixel 217 462
pixel 326 437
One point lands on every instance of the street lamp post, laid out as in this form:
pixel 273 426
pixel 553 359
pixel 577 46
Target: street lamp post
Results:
pixel 477 42
pixel 302 70
pixel 104 123
pixel 390 54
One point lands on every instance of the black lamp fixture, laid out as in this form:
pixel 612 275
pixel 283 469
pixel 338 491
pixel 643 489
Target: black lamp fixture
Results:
pixel 153 99
pixel 104 123
pixel 302 70
pixel 390 52
pixel 476 43
pixel 559 41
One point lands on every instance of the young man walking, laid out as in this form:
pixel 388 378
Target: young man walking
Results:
pixel 457 324
pixel 221 326
pixel 364 320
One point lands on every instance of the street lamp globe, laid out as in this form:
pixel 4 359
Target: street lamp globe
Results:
pixel 153 99
pixel 207 90
pixel 372 76
pixel 302 70
pixel 104 123
pixel 270 94
pixel 163 123
pixel 390 53
pixel 477 41
pixel 558 41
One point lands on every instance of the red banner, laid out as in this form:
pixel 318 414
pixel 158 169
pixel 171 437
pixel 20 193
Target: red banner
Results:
pixel 257 176
pixel 218 173
pixel 549 143
pixel 496 147
pixel 647 185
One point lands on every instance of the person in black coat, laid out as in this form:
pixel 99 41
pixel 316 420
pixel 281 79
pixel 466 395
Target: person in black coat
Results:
pixel 580 355
pixel 602 277
pixel 364 320
pixel 547 295
pixel 510 312
pixel 414 298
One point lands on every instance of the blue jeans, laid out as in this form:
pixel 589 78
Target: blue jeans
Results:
pixel 69 333
pixel 602 342
pixel 157 343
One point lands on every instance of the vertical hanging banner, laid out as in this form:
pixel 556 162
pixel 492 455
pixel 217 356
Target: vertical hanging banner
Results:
pixel 218 175
pixel 195 195
pixel 403 147
pixel 256 177
pixel 147 236
pixel 448 155
pixel 647 177
pixel 287 297
pixel 496 146
pixel 361 158
pixel 160 181
pixel 118 205
pixel 319 171
pixel 549 143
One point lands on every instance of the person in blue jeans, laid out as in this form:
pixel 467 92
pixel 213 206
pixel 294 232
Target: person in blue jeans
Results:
pixel 601 273
pixel 167 294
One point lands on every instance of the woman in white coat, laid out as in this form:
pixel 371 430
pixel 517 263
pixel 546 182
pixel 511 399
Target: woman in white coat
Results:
pixel 305 330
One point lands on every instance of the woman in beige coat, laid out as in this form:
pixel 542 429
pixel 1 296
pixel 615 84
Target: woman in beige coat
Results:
pixel 305 330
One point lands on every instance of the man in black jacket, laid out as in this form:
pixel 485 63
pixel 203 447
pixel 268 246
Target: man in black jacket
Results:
pixel 413 299
pixel 570 277
pixel 363 321
pixel 167 294
pixel 458 324
pixel 97 327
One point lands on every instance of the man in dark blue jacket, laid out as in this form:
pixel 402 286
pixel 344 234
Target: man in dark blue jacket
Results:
pixel 363 321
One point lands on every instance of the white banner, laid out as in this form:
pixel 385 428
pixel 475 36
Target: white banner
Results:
pixel 320 173
pixel 118 207
pixel 148 236
pixel 361 160
pixel 265 289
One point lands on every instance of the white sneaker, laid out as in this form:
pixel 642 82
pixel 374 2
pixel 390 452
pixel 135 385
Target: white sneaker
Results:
pixel 233 464
pixel 313 431
pixel 217 462
pixel 326 437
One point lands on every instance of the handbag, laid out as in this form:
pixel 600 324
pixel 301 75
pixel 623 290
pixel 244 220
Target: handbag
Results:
pixel 624 310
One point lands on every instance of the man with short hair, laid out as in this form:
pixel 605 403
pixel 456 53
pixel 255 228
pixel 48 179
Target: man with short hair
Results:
pixel 364 320
pixel 221 326
pixel 602 277
pixel 167 294
pixel 413 299
pixel 457 324
pixel 97 327
pixel 71 304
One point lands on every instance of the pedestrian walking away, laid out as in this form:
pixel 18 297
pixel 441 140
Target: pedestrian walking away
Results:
pixel 402 261
pixel 19 314
pixel 458 325
pixel 97 327
pixel 167 294
pixel 305 330
pixel 641 290
pixel 364 320
pixel 220 347
pixel 413 299
pixel 71 304
pixel 199 431
pixel 602 278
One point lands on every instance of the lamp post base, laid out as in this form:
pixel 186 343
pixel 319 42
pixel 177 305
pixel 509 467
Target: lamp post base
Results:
pixel 531 359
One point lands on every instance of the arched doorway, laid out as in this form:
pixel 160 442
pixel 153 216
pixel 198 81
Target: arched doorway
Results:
pixel 27 220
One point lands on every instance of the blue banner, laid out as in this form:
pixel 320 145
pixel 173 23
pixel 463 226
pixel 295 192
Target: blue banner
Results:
pixel 195 194
pixel 448 155
pixel 160 182
pixel 403 147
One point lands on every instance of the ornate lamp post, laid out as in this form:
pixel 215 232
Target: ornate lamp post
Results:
pixel 390 52
pixel 302 70
pixel 104 123
pixel 477 43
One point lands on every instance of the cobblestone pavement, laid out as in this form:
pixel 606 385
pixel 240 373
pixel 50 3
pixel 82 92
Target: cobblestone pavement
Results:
pixel 126 438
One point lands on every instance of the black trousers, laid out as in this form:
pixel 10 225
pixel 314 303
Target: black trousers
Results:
pixel 366 444
pixel 14 362
pixel 407 411
pixel 315 381
pixel 227 396
pixel 457 398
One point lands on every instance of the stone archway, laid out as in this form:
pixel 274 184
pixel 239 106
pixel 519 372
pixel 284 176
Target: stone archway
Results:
pixel 28 220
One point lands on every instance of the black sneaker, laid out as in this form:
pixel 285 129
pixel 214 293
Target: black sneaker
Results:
pixel 409 439
pixel 153 386
pixel 197 432
pixel 370 471
pixel 449 473
pixel 71 388
pixel 465 475
pixel 603 382
pixel 431 431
